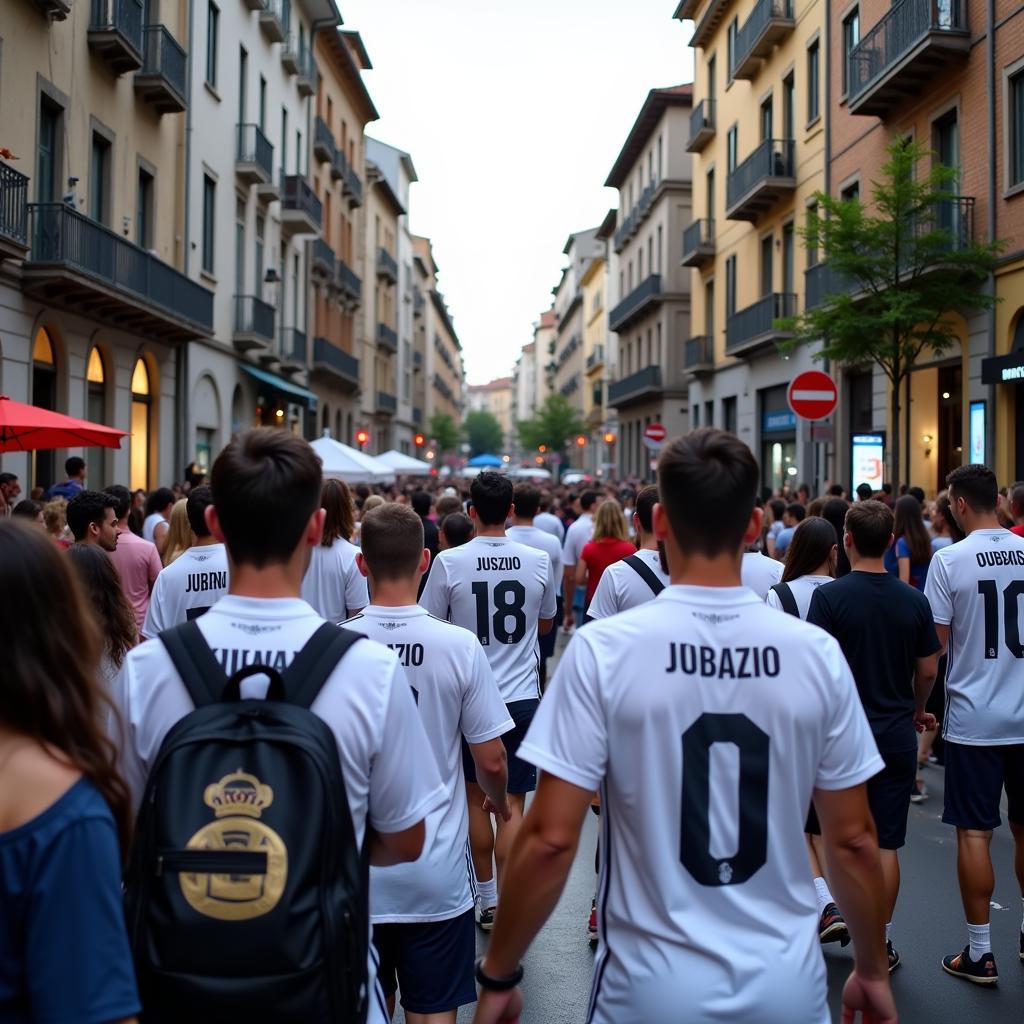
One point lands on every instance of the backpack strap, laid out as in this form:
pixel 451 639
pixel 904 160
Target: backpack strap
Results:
pixel 200 671
pixel 305 676
pixel 645 572
pixel 786 599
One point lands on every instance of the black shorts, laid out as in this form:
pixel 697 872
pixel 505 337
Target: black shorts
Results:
pixel 431 963
pixel 522 777
pixel 975 777
pixel 546 643
pixel 889 799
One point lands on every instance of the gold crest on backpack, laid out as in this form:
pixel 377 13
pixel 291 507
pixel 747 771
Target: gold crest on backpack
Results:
pixel 238 801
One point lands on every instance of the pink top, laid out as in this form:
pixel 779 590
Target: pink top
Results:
pixel 138 564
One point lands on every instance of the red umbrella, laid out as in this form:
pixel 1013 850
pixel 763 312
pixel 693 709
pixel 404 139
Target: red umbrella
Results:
pixel 25 428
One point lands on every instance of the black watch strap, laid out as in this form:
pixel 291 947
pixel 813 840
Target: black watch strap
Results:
pixel 497 984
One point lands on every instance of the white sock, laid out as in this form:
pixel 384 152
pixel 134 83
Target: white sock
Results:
pixel 488 892
pixel 821 894
pixel 888 930
pixel 980 938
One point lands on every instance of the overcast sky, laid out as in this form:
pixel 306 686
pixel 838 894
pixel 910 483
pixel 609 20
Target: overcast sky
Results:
pixel 513 114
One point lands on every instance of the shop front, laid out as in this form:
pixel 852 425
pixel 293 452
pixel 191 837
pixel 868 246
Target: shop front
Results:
pixel 282 403
pixel 779 466
pixel 1006 375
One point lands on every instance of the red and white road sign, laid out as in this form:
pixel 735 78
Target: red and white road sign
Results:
pixel 813 395
pixel 656 432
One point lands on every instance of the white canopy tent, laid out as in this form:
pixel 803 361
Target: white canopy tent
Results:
pixel 351 465
pixel 405 464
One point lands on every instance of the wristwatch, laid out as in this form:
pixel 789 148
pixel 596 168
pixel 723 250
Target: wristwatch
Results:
pixel 497 984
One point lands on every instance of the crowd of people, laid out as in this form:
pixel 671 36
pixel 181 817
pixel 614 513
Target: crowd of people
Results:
pixel 268 741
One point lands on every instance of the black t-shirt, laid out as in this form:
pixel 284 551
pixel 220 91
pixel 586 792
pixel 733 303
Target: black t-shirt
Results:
pixel 883 627
pixel 430 543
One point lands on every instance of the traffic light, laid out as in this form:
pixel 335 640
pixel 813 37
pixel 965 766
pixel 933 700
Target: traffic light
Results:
pixel 362 437
pixel 542 448
pixel 419 440
pixel 581 441
pixel 609 438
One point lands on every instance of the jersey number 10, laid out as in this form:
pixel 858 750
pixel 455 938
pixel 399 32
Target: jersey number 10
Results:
pixel 1011 617
pixel 509 599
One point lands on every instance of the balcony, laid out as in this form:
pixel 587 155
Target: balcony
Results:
pixel 254 323
pixel 86 267
pixel 339 166
pixel 761 180
pixel 699 355
pixel 417 361
pixel 417 416
pixel 418 302
pixel 702 126
pixel 354 188
pixel 13 213
pixel 637 387
pixel 386 405
pixel 387 338
pixel 301 211
pixel 908 47
pixel 290 55
pixel 704 30
pixel 348 283
pixel 328 358
pixel 274 19
pixel 769 23
pixel 324 147
pixel 754 327
pixel 595 361
pixel 54 10
pixel 115 33
pixel 255 160
pixel 699 243
pixel 323 260
pixel 306 73
pixel 293 349
pixel 820 281
pixel 163 78
pixel 387 266
pixel 646 295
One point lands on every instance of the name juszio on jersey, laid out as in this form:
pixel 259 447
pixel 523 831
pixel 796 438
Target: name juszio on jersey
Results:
pixel 497 564
pixel 726 663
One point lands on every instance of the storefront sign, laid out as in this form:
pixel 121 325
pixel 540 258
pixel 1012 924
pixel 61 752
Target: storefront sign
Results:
pixel 1008 369
pixel 778 422
pixel 977 432
pixel 867 460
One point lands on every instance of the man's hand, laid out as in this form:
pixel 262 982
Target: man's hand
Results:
pixel 503 810
pixel 568 619
pixel 924 721
pixel 498 1007
pixel 873 998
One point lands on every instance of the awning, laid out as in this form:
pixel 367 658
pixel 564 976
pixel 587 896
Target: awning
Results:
pixel 286 387
pixel 1008 369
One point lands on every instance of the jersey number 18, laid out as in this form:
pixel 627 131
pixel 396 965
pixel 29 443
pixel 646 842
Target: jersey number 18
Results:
pixel 509 599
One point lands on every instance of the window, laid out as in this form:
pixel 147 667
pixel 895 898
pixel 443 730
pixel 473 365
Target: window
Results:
pixel 766 119
pixel 661 168
pixel 99 179
pixel 212 42
pixel 710 208
pixel 209 208
pixel 141 409
pixel 766 265
pixel 730 286
pixel 851 37
pixel 712 75
pixel 788 259
pixel 1016 140
pixel 261 231
pixel 243 85
pixel 811 245
pixel 851 191
pixel 47 156
pixel 658 250
pixel 709 414
pixel 298 152
pixel 640 264
pixel 709 308
pixel 284 139
pixel 730 148
pixel 789 107
pixel 144 210
pixel 96 378
pixel 729 414
pixel 263 104
pixel 44 395
pixel 239 247
pixel 731 44
pixel 813 81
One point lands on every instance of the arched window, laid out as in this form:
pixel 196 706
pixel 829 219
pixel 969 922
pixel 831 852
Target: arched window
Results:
pixel 44 395
pixel 96 378
pixel 141 417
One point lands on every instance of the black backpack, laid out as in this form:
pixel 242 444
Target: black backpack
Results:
pixel 645 572
pixel 246 893
pixel 786 599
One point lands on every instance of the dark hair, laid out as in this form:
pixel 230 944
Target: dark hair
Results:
pixel 814 508
pixel 199 500
pixel 942 504
pixel 869 523
pixel 1017 496
pixel 864 491
pixel 810 547
pixel 74 465
pixel 908 524
pixel 778 506
pixel 707 481
pixel 266 484
pixel 391 538
pixel 421 502
pixel 588 499
pixel 51 690
pixel 644 507
pixel 835 512
pixel 457 528
pixel 105 598
pixel 6 478
pixel 526 498
pixel 545 501
pixel 340 520
pixel 797 511
pixel 836 491
pixel 121 497
pixel 976 485
pixel 84 508
pixel 492 498
pixel 916 492
pixel 447 504
pixel 887 488
pixel 159 500
pixel 27 508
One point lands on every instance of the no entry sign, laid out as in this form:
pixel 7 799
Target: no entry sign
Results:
pixel 656 432
pixel 812 395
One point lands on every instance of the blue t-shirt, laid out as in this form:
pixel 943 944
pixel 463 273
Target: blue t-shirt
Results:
pixel 64 954
pixel 66 490
pixel 782 541
pixel 918 571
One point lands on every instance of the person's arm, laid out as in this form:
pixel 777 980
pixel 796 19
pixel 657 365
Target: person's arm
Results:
pixel 940 598
pixel 942 631
pixel 568 587
pixel 160 532
pixel 389 848
pixel 153 567
pixel 580 575
pixel 491 763
pixel 903 565
pixel 926 669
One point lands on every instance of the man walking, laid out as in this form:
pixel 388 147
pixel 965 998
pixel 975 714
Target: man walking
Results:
pixel 579 532
pixel 92 520
pixel 136 560
pixel 74 467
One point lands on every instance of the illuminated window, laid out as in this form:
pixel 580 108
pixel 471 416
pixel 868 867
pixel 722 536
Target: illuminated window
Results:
pixel 44 395
pixel 95 375
pixel 141 410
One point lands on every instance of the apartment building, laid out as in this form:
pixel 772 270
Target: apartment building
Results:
pixel 423 273
pixel 496 397
pixel 338 259
pixel 950 75
pixel 598 356
pixel 524 393
pixel 443 370
pixel 544 341
pixel 95 313
pixel 650 311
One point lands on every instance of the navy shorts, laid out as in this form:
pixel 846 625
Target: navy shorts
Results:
pixel 522 776
pixel 975 777
pixel 889 799
pixel 431 963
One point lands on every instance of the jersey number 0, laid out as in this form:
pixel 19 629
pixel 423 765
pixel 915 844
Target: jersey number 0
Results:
pixel 509 599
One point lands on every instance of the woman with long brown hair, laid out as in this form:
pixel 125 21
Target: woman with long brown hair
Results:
pixel 911 548
pixel 810 563
pixel 65 813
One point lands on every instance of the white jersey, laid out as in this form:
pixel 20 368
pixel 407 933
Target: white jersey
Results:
pixel 803 590
pixel 975 588
pixel 333 585
pixel 534 537
pixel 390 775
pixel 707 720
pixel 456 695
pixel 622 587
pixel 187 588
pixel 550 523
pixel 576 537
pixel 760 573
pixel 149 525
pixel 497 589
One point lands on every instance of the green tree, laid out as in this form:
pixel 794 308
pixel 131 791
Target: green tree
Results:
pixel 444 432
pixel 895 274
pixel 483 432
pixel 555 423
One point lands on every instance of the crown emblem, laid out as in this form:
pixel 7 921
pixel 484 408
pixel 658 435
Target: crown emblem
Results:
pixel 238 793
